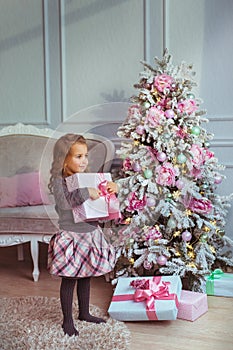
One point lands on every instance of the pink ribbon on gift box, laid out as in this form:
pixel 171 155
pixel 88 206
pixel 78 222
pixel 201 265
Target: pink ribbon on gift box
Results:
pixel 113 202
pixel 157 290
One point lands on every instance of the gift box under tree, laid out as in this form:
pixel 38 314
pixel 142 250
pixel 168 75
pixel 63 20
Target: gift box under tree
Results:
pixel 192 305
pixel 145 299
pixel 219 283
pixel 106 207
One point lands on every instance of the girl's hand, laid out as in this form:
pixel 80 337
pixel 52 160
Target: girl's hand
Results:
pixel 94 193
pixel 112 187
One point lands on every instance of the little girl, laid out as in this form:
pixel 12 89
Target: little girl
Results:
pixel 79 250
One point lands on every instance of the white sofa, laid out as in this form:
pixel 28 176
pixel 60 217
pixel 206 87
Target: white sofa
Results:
pixel 26 152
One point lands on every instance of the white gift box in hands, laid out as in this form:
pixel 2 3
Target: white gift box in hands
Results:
pixel 90 209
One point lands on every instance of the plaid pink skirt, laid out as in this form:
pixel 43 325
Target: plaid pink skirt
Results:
pixel 72 254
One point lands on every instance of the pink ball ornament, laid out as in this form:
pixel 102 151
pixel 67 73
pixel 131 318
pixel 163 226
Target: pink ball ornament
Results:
pixel 180 184
pixel 147 265
pixel 162 260
pixel 161 156
pixel 137 167
pixel 169 114
pixel 150 202
pixel 217 179
pixel 186 236
pixel 140 129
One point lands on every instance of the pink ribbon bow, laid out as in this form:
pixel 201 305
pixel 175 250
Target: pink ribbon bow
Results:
pixel 157 290
pixel 111 199
pixel 104 192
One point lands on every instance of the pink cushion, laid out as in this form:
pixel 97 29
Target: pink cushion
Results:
pixel 22 190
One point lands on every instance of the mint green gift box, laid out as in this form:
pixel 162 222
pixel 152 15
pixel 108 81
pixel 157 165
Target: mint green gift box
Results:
pixel 219 283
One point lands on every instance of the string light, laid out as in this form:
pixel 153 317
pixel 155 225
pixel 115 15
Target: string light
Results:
pixel 131 261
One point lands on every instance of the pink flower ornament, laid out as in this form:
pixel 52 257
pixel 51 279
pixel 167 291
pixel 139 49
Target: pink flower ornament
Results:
pixel 199 205
pixel 187 106
pixel 181 132
pixel 135 203
pixel 198 154
pixel 140 283
pixel 154 116
pixel 196 161
pixel 163 103
pixel 127 164
pixel 163 81
pixel 152 233
pixel 208 154
pixel 166 174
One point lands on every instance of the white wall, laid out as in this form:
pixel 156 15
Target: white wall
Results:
pixel 62 56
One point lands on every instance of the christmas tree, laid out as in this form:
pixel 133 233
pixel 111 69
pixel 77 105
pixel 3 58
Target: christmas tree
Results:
pixel 173 218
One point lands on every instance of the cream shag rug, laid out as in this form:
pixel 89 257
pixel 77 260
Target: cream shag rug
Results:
pixel 34 323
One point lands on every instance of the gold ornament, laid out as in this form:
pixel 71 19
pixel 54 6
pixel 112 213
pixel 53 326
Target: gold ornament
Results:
pixel 127 221
pixel 159 129
pixel 136 142
pixel 154 92
pixel 206 229
pixel 189 246
pixel 177 254
pixel 176 234
pixel 212 249
pixel 174 160
pixel 176 194
pixel 191 255
pixel 188 212
pixel 183 171
pixel 192 264
pixel 172 144
pixel 131 260
pixel 160 190
pixel 213 222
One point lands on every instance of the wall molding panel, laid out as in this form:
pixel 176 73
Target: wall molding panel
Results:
pixel 52 55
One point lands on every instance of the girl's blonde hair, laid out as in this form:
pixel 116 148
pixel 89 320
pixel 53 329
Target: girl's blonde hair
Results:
pixel 60 151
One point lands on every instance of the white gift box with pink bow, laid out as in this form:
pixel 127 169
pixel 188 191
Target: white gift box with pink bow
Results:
pixel 146 298
pixel 106 207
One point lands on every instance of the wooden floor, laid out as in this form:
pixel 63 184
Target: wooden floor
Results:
pixel 214 330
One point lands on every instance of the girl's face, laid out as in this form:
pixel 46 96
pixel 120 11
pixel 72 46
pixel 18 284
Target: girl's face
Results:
pixel 77 159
